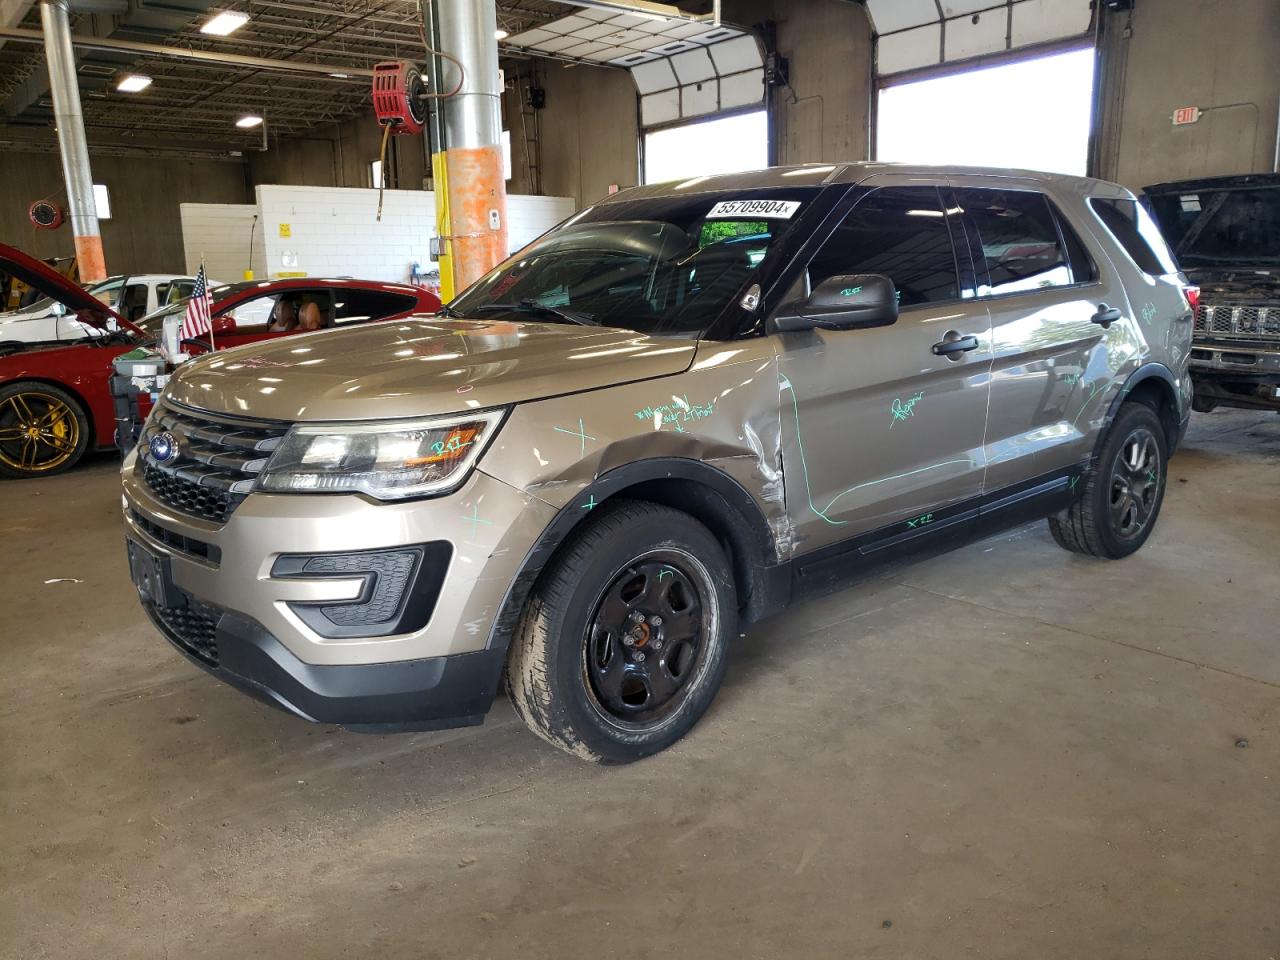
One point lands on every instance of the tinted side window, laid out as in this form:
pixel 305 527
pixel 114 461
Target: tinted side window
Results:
pixel 1020 246
pixel 900 232
pixel 1137 233
pixel 352 306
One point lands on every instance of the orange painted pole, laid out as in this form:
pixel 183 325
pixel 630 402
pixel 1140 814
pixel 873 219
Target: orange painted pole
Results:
pixel 64 86
pixel 476 183
pixel 477 212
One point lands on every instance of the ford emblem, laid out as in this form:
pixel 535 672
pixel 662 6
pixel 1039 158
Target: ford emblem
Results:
pixel 163 447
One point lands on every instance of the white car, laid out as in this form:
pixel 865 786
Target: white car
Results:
pixel 133 297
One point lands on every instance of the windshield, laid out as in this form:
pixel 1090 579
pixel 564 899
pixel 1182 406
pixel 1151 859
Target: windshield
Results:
pixel 1224 226
pixel 663 266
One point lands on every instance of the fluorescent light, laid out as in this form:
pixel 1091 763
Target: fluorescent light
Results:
pixel 340 76
pixel 225 22
pixel 133 82
pixel 500 34
pixel 249 121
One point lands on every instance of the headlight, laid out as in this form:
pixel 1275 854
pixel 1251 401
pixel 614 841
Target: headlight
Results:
pixel 389 461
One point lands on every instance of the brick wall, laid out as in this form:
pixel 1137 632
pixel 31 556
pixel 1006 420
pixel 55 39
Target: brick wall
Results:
pixel 334 231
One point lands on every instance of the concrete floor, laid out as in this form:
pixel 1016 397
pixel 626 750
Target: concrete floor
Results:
pixel 1005 752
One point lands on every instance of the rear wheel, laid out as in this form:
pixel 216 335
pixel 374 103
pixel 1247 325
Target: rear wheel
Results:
pixel 1116 512
pixel 43 430
pixel 624 642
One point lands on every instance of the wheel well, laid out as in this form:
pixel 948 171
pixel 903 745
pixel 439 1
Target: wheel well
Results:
pixel 1159 396
pixel 745 538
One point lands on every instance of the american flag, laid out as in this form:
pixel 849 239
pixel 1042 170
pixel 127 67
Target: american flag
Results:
pixel 197 319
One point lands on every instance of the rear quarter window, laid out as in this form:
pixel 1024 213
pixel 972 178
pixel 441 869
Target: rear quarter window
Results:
pixel 1137 233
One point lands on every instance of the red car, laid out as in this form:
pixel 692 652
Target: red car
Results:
pixel 55 398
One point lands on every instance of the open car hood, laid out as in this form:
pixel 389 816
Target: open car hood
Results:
pixel 85 305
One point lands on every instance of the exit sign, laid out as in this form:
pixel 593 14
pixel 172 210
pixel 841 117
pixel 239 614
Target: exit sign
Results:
pixel 1184 115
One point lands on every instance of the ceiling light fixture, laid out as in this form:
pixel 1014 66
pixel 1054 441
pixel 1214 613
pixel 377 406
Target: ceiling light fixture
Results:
pixel 133 82
pixel 340 76
pixel 224 22
pixel 248 121
pixel 501 34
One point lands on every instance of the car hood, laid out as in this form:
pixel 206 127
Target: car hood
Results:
pixel 421 366
pixel 52 284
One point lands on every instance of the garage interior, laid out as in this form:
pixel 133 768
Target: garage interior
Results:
pixel 1003 751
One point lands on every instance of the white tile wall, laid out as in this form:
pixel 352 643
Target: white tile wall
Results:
pixel 221 233
pixel 334 231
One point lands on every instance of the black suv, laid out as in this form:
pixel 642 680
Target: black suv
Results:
pixel 1225 234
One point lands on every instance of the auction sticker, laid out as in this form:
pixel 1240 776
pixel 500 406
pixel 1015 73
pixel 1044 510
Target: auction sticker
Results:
pixel 767 209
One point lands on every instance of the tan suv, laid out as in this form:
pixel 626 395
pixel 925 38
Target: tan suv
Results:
pixel 680 411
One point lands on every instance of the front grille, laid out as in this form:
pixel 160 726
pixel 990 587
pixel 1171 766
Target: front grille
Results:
pixel 1229 320
pixel 217 461
pixel 193 627
pixel 177 541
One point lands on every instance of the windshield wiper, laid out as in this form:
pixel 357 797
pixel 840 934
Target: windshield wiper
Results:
pixel 533 306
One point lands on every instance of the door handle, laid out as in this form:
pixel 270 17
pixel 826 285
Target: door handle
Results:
pixel 953 344
pixel 1106 316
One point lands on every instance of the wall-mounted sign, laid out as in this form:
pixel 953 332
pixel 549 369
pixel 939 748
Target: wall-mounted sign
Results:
pixel 286 230
pixel 1185 115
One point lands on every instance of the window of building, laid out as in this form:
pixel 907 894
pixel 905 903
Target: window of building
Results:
pixel 724 145
pixel 1019 237
pixel 102 201
pixel 1031 113
pixel 899 232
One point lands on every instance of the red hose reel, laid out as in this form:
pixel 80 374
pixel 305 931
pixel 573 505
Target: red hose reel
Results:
pixel 45 215
pixel 399 96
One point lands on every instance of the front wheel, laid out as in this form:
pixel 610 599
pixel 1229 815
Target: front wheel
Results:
pixel 624 642
pixel 1116 512
pixel 43 430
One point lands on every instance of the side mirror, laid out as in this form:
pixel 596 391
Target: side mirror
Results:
pixel 224 324
pixel 844 302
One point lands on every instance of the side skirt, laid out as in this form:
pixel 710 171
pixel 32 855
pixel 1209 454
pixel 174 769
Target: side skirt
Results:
pixel 840 564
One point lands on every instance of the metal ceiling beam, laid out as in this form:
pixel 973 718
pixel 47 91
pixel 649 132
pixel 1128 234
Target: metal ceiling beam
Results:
pixel 179 53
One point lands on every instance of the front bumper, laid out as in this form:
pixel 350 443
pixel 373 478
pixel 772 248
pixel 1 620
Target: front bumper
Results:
pixel 238 585
pixel 1237 373
pixel 426 694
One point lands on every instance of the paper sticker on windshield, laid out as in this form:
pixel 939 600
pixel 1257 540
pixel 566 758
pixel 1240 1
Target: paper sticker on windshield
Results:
pixel 767 209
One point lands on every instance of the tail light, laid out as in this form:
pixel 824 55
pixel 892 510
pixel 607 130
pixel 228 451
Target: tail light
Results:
pixel 1192 294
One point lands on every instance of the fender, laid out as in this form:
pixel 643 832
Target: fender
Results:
pixel 1145 372
pixel 754 547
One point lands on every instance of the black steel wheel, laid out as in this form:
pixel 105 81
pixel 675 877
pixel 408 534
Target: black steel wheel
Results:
pixel 647 637
pixel 1121 498
pixel 623 644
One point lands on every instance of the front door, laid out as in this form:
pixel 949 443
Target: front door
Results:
pixel 879 429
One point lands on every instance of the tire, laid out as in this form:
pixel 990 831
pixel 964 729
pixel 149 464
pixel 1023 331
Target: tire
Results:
pixel 1122 496
pixel 584 674
pixel 1203 404
pixel 43 430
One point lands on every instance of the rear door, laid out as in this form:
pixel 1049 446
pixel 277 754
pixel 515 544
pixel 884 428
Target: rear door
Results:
pixel 1050 359
pixel 879 430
